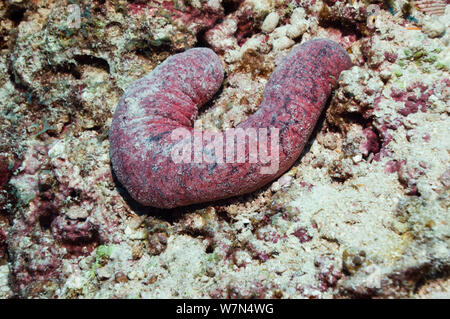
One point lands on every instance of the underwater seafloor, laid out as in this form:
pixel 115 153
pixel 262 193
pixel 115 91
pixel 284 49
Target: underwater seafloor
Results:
pixel 364 212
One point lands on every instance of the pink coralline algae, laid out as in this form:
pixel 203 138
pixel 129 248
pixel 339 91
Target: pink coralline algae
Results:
pixel 168 98
pixel 371 144
pixel 302 235
pixel 393 166
pixel 413 103
pixel 185 14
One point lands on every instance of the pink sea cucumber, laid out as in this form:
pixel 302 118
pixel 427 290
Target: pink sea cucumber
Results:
pixel 168 98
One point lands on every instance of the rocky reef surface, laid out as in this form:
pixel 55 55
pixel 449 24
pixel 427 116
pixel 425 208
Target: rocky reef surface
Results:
pixel 364 212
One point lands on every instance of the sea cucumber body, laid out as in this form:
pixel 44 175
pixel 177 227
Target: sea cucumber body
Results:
pixel 168 98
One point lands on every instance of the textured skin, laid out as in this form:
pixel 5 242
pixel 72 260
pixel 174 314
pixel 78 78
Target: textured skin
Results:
pixel 169 97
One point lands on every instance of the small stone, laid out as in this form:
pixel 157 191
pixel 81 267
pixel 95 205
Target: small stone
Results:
pixel 318 162
pixel 270 22
pixel 135 222
pixel 294 31
pixel 399 227
pixel 445 178
pixel 152 279
pixel 357 260
pixel 104 273
pixel 214 4
pixel 138 234
pixel 132 275
pixel 76 282
pixel 385 75
pixel 357 158
pixel 138 251
pixel 352 260
pixel 120 277
pixel 433 27
pixel 242 258
pixel 330 141
pixel 298 15
pixel 285 180
pixel 77 212
pixel 298 24
pixel 84 264
pixel 282 43
pixel 275 187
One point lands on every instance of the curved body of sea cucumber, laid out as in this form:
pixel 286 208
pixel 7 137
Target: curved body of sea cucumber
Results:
pixel 168 98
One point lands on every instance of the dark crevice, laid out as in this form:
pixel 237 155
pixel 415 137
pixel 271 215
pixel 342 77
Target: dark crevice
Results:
pixel 201 234
pixel 356 118
pixel 17 84
pixel 437 273
pixel 15 14
pixel 222 214
pixel 246 28
pixel 97 128
pixel 201 39
pixel 349 118
pixel 82 246
pixel 347 27
pixel 99 7
pixel 83 241
pixel 45 221
pixel 47 216
pixel 75 195
pixel 210 248
pixel 67 68
pixel 230 6
pixel 196 233
pixel 149 50
pixel 93 61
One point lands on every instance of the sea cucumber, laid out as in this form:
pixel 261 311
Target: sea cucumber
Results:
pixel 168 98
